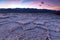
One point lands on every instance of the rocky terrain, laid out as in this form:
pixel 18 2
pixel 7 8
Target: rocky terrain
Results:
pixel 29 26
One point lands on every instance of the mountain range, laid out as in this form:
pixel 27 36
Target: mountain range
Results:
pixel 28 10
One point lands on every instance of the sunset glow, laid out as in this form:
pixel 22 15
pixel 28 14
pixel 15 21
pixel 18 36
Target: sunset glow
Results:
pixel 39 4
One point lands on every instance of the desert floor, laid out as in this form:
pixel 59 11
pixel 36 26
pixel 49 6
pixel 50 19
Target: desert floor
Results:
pixel 29 26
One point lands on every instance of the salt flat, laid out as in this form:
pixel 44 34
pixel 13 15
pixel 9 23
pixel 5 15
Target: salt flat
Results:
pixel 29 26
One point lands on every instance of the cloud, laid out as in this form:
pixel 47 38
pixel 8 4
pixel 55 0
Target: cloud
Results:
pixel 30 3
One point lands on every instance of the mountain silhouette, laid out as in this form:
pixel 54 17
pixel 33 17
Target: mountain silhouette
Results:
pixel 27 10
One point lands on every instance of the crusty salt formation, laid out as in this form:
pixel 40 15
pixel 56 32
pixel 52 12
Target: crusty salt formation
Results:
pixel 29 26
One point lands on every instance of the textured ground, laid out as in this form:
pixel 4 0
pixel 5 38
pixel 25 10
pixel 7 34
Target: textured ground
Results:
pixel 29 26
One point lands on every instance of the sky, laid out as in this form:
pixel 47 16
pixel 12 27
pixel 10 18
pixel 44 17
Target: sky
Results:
pixel 39 4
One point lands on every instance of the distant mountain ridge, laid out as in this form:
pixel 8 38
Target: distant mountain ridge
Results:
pixel 26 10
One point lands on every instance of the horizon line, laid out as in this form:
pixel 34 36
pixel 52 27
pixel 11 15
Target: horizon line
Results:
pixel 28 8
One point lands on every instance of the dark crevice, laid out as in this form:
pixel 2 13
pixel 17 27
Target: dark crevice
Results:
pixel 4 17
pixel 47 38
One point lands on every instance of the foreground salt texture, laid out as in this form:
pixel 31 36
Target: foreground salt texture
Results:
pixel 29 26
